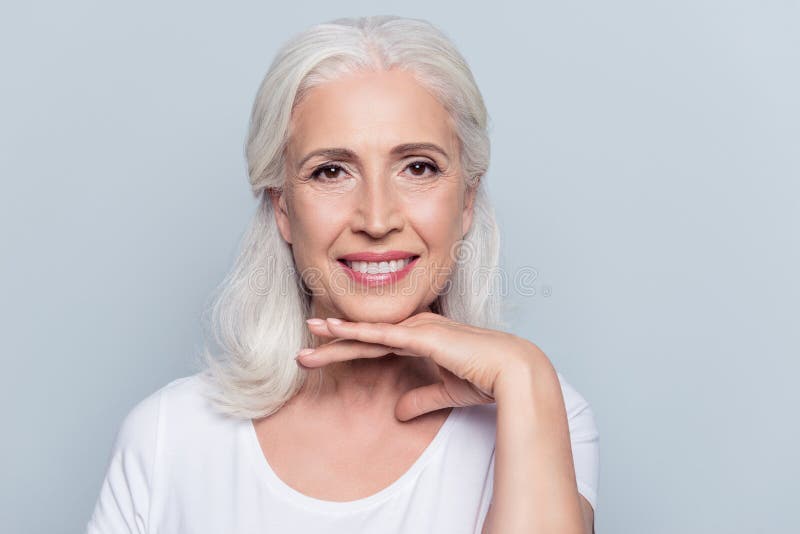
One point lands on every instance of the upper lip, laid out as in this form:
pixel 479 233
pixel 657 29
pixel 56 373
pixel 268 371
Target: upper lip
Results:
pixel 377 256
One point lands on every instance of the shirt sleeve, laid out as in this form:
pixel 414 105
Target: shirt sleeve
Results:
pixel 124 500
pixel 585 439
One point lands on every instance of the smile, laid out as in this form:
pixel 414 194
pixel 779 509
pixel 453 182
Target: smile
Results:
pixel 374 269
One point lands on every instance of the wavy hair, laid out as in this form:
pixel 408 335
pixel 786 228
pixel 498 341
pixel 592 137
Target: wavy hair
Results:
pixel 255 323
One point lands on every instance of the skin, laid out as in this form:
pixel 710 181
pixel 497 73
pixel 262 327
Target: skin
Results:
pixel 390 371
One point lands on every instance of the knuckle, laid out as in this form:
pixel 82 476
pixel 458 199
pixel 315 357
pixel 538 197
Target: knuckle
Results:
pixel 380 333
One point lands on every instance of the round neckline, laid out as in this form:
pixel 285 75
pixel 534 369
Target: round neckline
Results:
pixel 287 492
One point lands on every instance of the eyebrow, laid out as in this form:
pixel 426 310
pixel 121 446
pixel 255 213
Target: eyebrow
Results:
pixel 347 154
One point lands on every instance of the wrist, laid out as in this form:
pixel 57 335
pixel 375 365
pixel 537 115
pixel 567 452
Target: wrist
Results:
pixel 527 373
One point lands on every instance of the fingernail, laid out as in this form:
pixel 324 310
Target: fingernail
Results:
pixel 303 352
pixel 334 320
pixel 315 322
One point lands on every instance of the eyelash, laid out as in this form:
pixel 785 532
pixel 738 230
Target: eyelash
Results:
pixel 314 175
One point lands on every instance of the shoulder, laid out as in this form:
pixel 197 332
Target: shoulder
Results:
pixel 157 417
pixel 141 421
pixel 123 504
pixel 146 409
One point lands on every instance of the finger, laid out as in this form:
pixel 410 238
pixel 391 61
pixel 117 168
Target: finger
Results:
pixel 422 400
pixel 319 327
pixel 387 334
pixel 342 350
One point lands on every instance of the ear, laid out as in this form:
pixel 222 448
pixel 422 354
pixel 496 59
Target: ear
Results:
pixel 278 199
pixel 469 205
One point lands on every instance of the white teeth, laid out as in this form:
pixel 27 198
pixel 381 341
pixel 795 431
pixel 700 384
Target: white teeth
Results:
pixel 374 267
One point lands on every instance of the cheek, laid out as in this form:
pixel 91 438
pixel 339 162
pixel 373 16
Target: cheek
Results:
pixel 316 223
pixel 436 218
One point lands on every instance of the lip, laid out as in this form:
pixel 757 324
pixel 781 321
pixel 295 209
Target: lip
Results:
pixel 389 255
pixel 377 279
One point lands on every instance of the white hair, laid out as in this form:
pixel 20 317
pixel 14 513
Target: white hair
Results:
pixel 257 315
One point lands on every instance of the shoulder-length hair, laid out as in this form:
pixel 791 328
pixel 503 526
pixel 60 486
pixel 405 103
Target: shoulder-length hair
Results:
pixel 256 320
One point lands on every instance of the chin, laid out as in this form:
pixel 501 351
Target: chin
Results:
pixel 379 309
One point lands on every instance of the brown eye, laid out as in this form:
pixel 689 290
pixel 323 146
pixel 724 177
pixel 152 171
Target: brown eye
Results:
pixel 418 168
pixel 328 172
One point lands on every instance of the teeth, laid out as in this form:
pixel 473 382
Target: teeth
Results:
pixel 373 267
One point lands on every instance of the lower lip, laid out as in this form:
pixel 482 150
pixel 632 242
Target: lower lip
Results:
pixel 378 279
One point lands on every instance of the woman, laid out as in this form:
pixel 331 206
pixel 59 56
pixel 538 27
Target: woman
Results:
pixel 406 409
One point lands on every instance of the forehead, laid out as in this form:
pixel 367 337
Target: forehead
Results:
pixel 374 110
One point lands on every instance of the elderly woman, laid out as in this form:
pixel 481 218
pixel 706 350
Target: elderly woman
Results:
pixel 356 379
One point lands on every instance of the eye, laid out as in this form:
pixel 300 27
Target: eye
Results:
pixel 328 172
pixel 417 168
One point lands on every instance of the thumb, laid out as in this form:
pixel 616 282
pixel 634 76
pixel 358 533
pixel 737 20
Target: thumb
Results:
pixel 421 400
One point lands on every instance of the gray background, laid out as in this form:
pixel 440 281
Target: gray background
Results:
pixel 645 163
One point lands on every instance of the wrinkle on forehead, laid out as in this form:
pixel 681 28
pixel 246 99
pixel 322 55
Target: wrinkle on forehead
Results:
pixel 369 113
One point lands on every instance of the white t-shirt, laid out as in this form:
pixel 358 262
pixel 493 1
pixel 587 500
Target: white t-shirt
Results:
pixel 179 467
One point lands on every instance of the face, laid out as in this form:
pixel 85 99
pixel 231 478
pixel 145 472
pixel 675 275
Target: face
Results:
pixel 372 167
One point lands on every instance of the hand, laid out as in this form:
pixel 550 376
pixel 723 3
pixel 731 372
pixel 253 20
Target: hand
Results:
pixel 470 359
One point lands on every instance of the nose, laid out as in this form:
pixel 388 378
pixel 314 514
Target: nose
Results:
pixel 378 212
